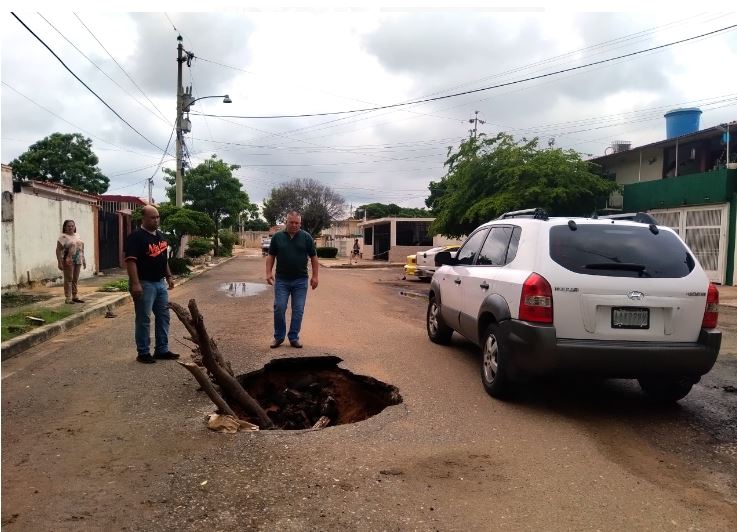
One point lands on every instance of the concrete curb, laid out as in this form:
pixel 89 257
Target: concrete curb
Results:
pixel 361 266
pixel 39 335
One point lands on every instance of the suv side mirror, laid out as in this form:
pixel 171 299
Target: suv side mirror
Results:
pixel 444 257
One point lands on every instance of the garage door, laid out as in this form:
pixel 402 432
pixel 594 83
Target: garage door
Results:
pixel 704 229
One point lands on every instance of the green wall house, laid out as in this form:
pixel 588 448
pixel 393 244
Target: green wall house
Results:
pixel 687 182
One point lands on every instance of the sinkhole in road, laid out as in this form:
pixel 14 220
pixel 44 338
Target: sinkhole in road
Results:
pixel 297 392
pixel 242 289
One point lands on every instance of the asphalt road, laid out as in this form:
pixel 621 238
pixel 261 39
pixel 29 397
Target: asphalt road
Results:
pixel 93 440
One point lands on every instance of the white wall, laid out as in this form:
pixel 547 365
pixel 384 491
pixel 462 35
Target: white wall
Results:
pixel 36 228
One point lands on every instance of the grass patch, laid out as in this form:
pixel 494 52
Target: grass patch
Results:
pixel 17 324
pixel 13 299
pixel 121 285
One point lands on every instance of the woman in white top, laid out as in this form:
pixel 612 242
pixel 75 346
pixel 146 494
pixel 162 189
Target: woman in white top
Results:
pixel 70 254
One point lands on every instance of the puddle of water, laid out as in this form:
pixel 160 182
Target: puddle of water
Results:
pixel 242 289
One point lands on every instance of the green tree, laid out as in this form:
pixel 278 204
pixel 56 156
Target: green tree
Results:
pixel 210 187
pixel 179 221
pixel 318 204
pixel 490 176
pixel 64 158
pixel 383 210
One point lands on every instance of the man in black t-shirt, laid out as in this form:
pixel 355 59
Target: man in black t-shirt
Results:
pixel 146 254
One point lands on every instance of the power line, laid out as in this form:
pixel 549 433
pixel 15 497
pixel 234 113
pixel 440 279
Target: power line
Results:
pixel 121 68
pixel 101 70
pixel 75 126
pixel 83 83
pixel 463 93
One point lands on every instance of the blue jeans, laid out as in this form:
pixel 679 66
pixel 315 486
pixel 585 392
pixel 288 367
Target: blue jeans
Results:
pixel 155 298
pixel 283 288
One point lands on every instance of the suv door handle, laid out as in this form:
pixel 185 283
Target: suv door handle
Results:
pixel 457 281
pixel 484 285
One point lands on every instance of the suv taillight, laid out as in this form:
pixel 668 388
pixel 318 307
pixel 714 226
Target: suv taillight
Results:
pixel 536 303
pixel 711 312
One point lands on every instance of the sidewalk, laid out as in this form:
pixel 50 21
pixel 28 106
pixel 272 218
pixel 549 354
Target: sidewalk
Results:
pixel 96 303
pixel 345 262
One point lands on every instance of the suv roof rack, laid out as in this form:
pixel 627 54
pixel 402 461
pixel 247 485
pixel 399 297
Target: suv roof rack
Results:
pixel 640 217
pixel 537 214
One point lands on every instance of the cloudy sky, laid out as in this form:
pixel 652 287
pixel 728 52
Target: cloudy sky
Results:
pixel 299 61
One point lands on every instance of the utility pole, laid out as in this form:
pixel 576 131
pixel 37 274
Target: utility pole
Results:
pixel 178 124
pixel 150 191
pixel 475 121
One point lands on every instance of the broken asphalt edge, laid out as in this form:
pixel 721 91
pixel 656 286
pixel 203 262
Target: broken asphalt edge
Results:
pixel 17 345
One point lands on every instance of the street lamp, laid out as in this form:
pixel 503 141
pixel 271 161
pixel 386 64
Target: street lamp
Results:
pixel 189 101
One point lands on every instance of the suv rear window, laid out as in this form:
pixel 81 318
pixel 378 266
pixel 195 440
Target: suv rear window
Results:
pixel 620 251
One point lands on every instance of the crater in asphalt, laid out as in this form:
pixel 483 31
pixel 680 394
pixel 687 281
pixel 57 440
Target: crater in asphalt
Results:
pixel 297 392
pixel 242 289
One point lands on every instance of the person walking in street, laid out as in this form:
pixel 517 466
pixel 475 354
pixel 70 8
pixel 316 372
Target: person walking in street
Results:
pixel 70 258
pixel 146 254
pixel 290 249
pixel 356 251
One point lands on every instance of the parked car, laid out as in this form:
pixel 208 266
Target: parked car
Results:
pixel 265 243
pixel 426 260
pixel 410 269
pixel 614 298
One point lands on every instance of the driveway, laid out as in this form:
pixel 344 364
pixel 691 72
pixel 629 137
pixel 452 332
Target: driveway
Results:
pixel 93 440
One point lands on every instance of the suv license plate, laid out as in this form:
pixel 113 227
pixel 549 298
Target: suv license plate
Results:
pixel 630 318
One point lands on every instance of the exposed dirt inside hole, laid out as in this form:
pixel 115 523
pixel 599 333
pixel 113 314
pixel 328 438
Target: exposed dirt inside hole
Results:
pixel 297 392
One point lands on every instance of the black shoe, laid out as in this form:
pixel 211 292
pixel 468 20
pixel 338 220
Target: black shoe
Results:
pixel 295 343
pixel 145 359
pixel 166 356
pixel 77 300
pixel 276 343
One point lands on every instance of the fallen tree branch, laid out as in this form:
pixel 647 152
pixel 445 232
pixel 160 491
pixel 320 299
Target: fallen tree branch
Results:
pixel 186 320
pixel 209 342
pixel 324 421
pixel 208 388
pixel 222 374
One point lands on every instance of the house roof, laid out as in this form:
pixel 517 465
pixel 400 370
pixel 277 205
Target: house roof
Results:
pixel 123 198
pixel 57 190
pixel 696 135
pixel 394 219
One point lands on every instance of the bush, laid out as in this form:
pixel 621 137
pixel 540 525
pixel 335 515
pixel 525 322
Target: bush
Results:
pixel 327 252
pixel 227 240
pixel 179 266
pixel 198 246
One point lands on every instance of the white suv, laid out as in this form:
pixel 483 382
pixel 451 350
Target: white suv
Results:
pixel 614 298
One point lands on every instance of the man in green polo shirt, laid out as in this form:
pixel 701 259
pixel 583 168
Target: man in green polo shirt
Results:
pixel 290 249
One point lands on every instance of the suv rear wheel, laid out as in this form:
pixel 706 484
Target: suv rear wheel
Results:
pixel 666 390
pixel 438 332
pixel 493 369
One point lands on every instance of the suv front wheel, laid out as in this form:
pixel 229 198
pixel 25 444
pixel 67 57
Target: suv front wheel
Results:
pixel 438 331
pixel 493 369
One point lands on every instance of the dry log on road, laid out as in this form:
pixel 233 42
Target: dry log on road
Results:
pixel 208 387
pixel 217 366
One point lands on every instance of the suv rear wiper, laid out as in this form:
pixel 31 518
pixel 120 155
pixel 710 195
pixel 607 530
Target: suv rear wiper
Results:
pixel 627 266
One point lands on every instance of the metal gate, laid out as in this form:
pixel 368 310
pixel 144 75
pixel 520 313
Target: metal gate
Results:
pixel 382 241
pixel 109 240
pixel 704 229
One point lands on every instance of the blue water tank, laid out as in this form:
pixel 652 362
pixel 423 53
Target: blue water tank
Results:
pixel 682 122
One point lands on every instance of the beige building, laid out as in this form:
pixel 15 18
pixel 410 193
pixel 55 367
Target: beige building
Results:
pixel 341 234
pixel 32 216
pixel 392 239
